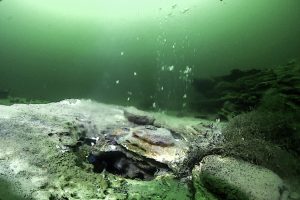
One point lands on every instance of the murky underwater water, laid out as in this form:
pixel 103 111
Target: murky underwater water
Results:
pixel 222 77
pixel 145 54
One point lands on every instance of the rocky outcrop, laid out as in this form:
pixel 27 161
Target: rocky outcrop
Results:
pixel 228 178
pixel 155 143
pixel 80 149
pixel 241 91
pixel 88 150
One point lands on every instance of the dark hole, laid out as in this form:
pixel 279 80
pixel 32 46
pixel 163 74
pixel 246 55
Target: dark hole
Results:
pixel 118 163
pixel 176 135
pixel 79 143
pixel 89 141
pixel 140 176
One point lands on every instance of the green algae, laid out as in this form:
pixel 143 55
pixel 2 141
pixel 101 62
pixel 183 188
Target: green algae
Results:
pixel 72 177
pixel 8 191
pixel 218 187
pixel 164 187
pixel 201 192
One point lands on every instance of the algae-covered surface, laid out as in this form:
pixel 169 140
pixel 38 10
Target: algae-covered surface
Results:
pixel 40 157
pixel 80 149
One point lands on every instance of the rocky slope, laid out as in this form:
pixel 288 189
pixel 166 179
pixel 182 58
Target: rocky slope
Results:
pixel 79 149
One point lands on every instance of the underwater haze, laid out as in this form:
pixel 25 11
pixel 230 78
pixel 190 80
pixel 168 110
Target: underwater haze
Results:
pixel 144 53
pixel 150 99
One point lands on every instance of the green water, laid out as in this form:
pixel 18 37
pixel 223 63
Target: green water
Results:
pixel 138 52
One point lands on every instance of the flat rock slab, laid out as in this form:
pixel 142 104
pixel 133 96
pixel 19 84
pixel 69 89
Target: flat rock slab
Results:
pixel 230 178
pixel 155 143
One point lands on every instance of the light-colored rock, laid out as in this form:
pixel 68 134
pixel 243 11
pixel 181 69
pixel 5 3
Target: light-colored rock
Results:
pixel 38 159
pixel 138 117
pixel 155 143
pixel 235 179
pixel 34 154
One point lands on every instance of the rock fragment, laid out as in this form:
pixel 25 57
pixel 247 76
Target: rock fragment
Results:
pixel 138 118
pixel 230 178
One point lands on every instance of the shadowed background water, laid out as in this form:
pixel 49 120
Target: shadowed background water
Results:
pixel 137 52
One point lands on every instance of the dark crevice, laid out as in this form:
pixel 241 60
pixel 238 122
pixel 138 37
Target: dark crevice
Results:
pixel 118 163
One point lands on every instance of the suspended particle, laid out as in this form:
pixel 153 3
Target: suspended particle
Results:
pixel 154 105
pixel 117 82
pixel 128 99
pixel 129 93
pixel 187 70
pixel 184 96
pixel 162 88
pixel 122 53
pixel 134 73
pixel 171 68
